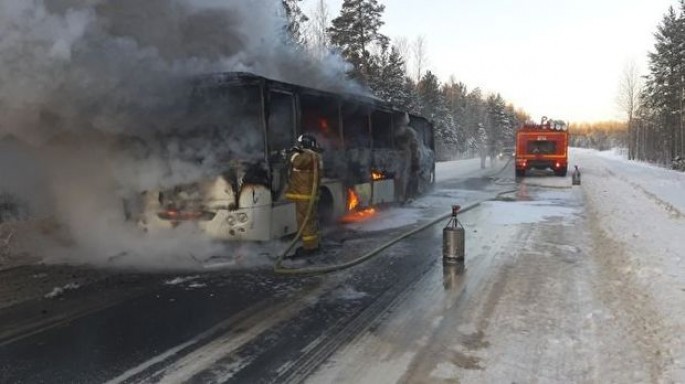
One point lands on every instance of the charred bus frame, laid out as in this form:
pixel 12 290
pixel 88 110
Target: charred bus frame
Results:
pixel 370 154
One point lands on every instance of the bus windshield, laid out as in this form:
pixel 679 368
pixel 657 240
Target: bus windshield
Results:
pixel 222 125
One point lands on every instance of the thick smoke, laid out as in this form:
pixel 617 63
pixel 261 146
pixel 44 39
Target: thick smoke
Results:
pixel 77 76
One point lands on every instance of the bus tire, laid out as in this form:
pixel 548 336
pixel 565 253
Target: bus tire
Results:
pixel 325 208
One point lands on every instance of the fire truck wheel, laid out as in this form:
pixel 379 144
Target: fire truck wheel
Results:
pixel 520 172
pixel 562 172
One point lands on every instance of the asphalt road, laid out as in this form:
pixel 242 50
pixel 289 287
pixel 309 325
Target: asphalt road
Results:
pixel 236 326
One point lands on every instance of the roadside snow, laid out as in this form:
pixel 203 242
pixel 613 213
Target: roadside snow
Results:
pixel 639 210
pixel 446 170
pixel 663 186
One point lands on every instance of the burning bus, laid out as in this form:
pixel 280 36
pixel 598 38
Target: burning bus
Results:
pixel 373 154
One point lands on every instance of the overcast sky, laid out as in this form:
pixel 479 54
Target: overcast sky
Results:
pixel 559 58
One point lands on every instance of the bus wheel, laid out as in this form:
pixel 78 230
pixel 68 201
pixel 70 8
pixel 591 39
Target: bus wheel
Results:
pixel 426 185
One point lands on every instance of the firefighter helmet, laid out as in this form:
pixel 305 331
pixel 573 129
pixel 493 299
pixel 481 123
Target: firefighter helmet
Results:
pixel 307 141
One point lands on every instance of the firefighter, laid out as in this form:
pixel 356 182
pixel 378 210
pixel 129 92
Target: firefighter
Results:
pixel 306 167
pixel 409 174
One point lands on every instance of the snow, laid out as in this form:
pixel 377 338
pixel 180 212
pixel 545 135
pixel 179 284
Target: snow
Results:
pixel 348 293
pixel 181 279
pixel 447 170
pixel 565 283
pixel 526 212
pixel 59 291
pixel 664 184
pixel 640 210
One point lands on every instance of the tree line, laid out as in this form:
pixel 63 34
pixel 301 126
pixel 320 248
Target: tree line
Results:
pixel 601 135
pixel 655 104
pixel 467 122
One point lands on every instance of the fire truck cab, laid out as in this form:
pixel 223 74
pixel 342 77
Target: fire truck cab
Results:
pixel 542 146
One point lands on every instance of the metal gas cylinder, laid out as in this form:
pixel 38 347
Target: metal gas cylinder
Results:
pixel 575 176
pixel 453 239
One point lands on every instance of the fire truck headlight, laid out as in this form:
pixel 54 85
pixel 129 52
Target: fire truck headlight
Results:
pixel 230 220
pixel 242 217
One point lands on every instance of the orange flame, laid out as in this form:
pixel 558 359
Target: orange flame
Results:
pixel 352 204
pixel 354 217
pixel 323 126
pixel 376 175
pixel 352 200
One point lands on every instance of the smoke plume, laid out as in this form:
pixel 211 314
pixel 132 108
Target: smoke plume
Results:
pixel 78 75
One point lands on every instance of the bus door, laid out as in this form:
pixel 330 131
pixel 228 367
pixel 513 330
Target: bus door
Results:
pixel 280 134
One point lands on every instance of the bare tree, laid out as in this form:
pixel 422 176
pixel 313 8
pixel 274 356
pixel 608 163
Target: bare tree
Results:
pixel 628 100
pixel 317 29
pixel 420 51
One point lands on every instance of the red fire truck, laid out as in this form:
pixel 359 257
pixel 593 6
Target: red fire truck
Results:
pixel 542 146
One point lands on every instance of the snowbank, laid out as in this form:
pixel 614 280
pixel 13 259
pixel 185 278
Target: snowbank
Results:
pixel 639 209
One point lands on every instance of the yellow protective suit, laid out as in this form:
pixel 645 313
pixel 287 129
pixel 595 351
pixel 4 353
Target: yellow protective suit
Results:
pixel 302 187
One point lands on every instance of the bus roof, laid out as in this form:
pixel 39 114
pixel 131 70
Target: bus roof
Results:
pixel 246 78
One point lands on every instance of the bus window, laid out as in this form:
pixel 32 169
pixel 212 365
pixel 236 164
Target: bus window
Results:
pixel 320 118
pixel 356 126
pixel 281 121
pixel 381 129
pixel 357 142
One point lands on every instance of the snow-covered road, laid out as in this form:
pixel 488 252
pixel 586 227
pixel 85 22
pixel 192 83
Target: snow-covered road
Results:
pixel 562 285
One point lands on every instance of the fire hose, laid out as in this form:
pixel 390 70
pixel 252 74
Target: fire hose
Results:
pixel 278 266
pixel 281 270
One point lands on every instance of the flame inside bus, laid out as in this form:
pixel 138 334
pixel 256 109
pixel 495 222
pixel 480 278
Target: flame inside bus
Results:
pixel 352 200
pixel 377 175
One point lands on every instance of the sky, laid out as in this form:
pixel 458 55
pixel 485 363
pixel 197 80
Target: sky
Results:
pixel 557 58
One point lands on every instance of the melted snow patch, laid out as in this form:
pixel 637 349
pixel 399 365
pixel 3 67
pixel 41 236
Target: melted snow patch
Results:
pixel 348 293
pixel 525 212
pixel 181 280
pixel 389 219
pixel 445 371
pixel 58 291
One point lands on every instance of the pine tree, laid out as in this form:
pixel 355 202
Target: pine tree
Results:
pixel 429 95
pixel 295 19
pixel 474 116
pixel 433 106
pixel 666 81
pixel 496 122
pixel 409 98
pixel 455 102
pixel 386 77
pixel 355 31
